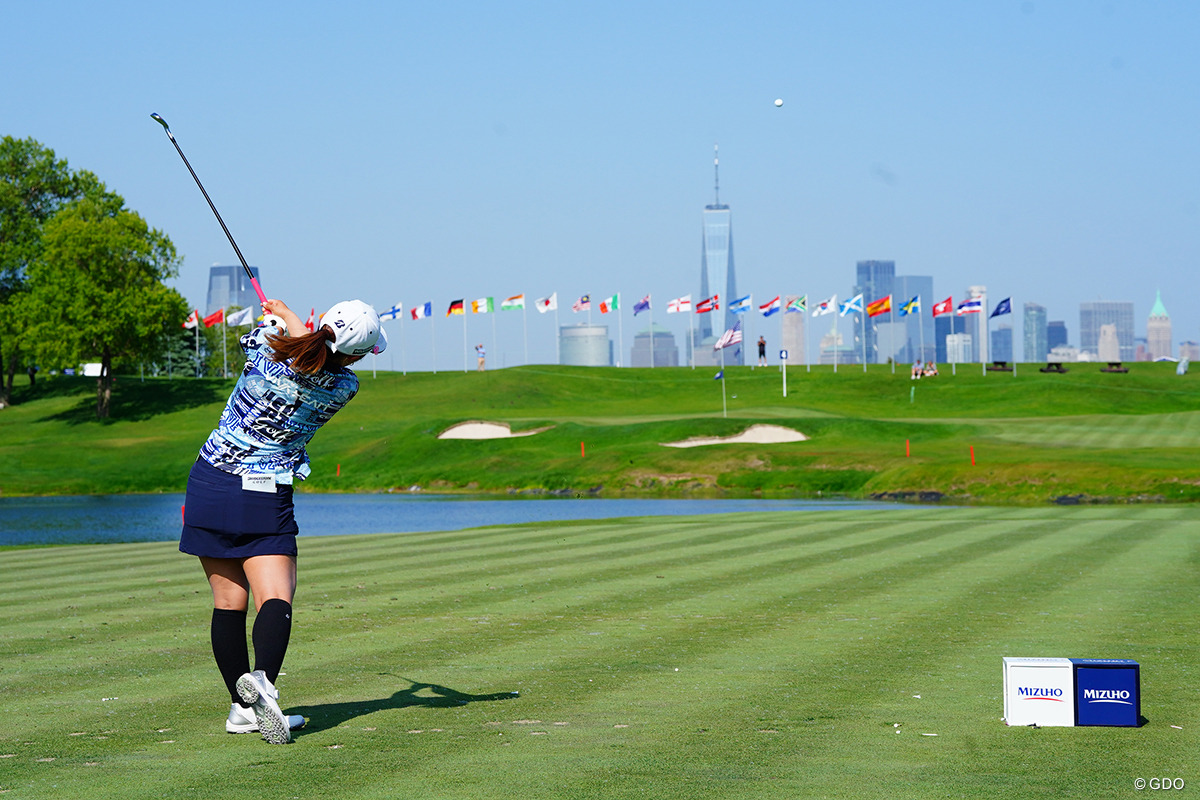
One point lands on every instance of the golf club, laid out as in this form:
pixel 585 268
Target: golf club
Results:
pixel 253 280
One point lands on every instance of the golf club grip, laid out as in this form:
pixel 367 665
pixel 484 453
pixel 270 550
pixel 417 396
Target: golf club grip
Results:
pixel 258 289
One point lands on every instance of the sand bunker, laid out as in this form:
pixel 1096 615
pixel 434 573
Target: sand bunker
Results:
pixel 755 434
pixel 485 430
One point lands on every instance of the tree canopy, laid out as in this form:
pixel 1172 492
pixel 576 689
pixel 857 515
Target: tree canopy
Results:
pixel 96 291
pixel 34 185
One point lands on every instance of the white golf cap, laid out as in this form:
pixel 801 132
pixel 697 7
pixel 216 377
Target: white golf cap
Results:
pixel 357 328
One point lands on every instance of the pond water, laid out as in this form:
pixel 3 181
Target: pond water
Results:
pixel 93 519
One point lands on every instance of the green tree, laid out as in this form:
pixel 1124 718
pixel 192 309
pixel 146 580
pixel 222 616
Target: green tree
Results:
pixel 34 185
pixel 101 273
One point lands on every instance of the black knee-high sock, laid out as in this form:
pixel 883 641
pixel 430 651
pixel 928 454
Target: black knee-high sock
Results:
pixel 272 629
pixel 228 633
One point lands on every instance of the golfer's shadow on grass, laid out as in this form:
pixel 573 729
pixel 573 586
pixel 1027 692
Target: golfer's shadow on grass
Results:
pixel 425 695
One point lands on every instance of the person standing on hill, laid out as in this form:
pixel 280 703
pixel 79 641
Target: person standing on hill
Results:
pixel 481 355
pixel 762 351
pixel 238 513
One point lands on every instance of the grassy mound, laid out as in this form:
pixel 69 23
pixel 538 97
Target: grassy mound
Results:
pixel 1083 436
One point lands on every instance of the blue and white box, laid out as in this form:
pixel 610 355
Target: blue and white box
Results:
pixel 1107 692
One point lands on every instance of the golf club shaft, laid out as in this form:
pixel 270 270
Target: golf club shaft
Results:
pixel 253 280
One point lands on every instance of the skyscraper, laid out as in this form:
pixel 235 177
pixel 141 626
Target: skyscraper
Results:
pixel 1056 334
pixel 1158 330
pixel 918 331
pixel 229 286
pixel 716 266
pixel 875 280
pixel 1104 312
pixel 1036 343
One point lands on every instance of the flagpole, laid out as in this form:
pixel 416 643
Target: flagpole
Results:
pixel 987 333
pixel 921 329
pixel 620 331
pixel 837 314
pixel 692 335
pixel 1014 344
pixel 224 352
pixel 464 316
pixel 525 329
pixel 724 405
pixel 650 308
pixel 892 335
pixel 197 345
pixel 493 313
pixel 863 318
pixel 557 332
pixel 403 350
pixel 433 341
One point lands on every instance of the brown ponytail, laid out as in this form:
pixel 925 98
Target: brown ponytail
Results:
pixel 309 353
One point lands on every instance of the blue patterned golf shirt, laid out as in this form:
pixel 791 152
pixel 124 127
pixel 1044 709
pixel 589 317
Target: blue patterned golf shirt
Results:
pixel 272 413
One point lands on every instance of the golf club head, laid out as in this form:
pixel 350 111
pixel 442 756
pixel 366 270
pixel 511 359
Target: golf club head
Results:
pixel 161 121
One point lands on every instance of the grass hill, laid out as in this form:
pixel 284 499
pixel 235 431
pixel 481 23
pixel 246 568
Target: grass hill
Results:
pixel 1083 436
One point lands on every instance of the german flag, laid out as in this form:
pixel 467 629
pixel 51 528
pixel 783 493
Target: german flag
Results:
pixel 456 307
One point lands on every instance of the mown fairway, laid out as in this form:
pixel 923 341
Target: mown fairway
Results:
pixel 763 656
pixel 1037 438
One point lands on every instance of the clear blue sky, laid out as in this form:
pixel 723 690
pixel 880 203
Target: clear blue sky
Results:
pixel 430 151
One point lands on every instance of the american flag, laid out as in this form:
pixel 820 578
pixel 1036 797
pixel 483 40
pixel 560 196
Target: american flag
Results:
pixel 730 337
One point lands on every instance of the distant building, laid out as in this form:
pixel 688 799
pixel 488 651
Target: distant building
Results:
pixel 1158 331
pixel 958 348
pixel 918 335
pixel 717 274
pixel 977 323
pixel 1094 315
pixel 1108 346
pixel 794 325
pixel 944 326
pixel 875 280
pixel 657 343
pixel 1056 334
pixel 1036 342
pixel 1002 343
pixel 229 286
pixel 838 348
pixel 585 345
pixel 1063 353
pixel 1189 350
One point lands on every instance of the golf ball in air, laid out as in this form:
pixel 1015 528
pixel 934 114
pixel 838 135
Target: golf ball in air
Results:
pixel 779 102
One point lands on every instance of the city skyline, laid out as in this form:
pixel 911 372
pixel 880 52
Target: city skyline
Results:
pixel 402 154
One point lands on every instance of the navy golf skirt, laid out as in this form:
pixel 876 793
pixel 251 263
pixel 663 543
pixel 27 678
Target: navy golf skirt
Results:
pixel 222 520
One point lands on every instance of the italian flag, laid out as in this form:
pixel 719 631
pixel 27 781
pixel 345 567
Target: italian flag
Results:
pixel 610 304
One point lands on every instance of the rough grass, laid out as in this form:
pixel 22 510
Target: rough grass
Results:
pixel 751 656
pixel 1036 437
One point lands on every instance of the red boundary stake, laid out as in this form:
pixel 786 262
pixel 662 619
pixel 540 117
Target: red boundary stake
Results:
pixel 582 453
pixel 972 455
pixel 907 452
pixel 339 470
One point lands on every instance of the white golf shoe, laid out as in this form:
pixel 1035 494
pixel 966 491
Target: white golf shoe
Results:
pixel 259 693
pixel 242 720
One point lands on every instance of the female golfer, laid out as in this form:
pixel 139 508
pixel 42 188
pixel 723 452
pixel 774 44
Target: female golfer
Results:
pixel 238 515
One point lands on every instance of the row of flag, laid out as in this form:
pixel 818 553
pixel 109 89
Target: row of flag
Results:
pixel 244 316
pixel 972 305
pixel 486 305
